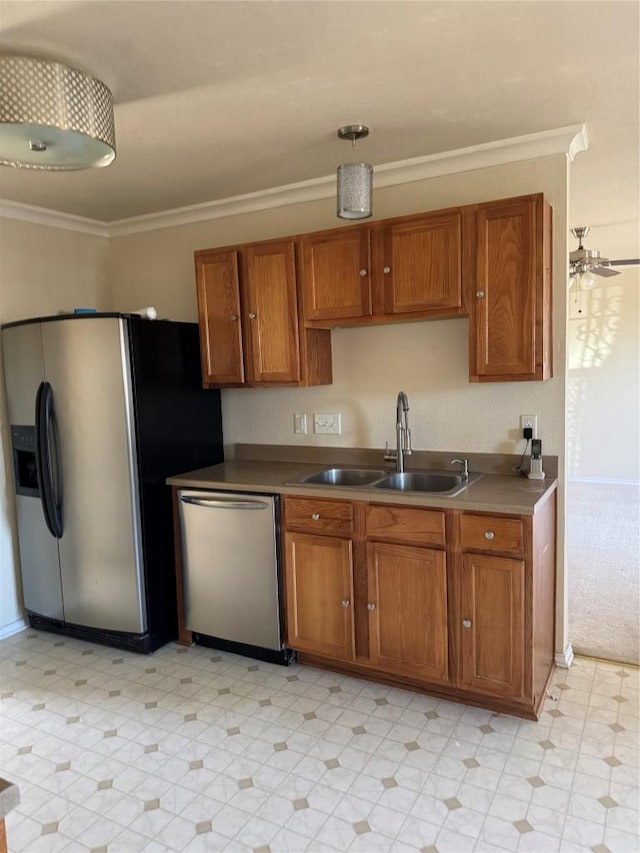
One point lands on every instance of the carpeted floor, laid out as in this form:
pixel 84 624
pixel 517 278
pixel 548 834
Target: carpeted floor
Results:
pixel 603 552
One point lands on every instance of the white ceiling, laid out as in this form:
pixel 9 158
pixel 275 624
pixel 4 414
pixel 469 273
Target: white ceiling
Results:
pixel 217 99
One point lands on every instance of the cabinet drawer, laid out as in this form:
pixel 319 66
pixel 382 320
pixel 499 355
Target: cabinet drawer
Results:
pixel 401 524
pixel 492 533
pixel 316 515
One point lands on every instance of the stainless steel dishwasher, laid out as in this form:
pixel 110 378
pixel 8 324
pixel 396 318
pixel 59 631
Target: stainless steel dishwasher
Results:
pixel 230 571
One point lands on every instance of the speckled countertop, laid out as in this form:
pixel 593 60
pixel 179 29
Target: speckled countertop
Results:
pixel 491 492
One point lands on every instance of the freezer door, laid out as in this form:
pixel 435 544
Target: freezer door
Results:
pixel 87 364
pixel 229 566
pixel 39 560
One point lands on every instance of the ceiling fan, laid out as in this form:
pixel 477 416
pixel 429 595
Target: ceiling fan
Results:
pixel 585 263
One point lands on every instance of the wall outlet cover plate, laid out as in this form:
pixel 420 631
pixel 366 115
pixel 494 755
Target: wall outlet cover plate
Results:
pixel 327 424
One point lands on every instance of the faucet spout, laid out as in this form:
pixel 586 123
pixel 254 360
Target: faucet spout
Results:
pixel 403 433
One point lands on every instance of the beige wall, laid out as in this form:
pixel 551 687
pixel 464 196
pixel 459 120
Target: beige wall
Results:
pixel 428 360
pixel 43 270
pixel 603 454
pixel 603 394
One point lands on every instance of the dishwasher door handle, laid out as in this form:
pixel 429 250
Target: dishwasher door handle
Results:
pixel 217 503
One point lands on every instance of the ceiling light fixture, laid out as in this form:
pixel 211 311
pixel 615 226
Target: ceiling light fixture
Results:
pixel 53 117
pixel 355 180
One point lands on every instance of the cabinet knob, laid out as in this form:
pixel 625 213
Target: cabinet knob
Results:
pixel 466 623
pixel 479 293
pixel 315 516
pixel 386 270
pixel 345 602
pixel 252 316
pixel 233 317
pixel 371 607
pixel 489 534
pixel 363 273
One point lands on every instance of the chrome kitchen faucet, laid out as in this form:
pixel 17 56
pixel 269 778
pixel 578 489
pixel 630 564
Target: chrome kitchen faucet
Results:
pixel 403 434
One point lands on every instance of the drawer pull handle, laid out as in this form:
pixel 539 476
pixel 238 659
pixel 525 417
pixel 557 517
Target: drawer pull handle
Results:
pixel 363 273
pixel 479 293
pixel 234 317
pixel 315 516
pixel 371 607
pixel 489 534
pixel 252 316
pixel 466 623
pixel 345 602
pixel 386 270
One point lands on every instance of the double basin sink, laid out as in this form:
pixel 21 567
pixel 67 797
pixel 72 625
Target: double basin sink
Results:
pixel 443 482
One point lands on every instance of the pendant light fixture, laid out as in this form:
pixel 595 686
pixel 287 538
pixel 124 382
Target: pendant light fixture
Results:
pixel 355 180
pixel 53 117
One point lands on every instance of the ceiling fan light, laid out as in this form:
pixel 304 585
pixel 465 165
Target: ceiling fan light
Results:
pixel 53 117
pixel 588 281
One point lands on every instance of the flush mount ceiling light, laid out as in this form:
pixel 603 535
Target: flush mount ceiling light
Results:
pixel 53 117
pixel 355 180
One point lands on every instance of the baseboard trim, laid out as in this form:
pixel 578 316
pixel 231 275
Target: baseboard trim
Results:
pixel 13 628
pixel 565 659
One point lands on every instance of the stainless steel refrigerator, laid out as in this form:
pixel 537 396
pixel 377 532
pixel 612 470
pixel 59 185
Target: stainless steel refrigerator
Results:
pixel 103 407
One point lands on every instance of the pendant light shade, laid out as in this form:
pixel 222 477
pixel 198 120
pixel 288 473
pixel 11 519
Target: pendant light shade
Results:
pixel 53 117
pixel 355 180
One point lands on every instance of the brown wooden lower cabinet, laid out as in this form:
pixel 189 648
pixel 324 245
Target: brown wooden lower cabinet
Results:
pixel 448 617
pixel 319 595
pixel 408 610
pixel 493 625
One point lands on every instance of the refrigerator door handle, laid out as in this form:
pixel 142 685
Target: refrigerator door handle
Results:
pixel 51 505
pixel 39 422
pixel 223 504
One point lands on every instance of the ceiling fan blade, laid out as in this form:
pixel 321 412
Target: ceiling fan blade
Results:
pixel 627 262
pixel 605 272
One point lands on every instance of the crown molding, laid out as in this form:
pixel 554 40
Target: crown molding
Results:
pixel 569 141
pixel 53 218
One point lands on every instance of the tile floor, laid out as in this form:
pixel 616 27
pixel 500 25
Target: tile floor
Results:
pixel 198 750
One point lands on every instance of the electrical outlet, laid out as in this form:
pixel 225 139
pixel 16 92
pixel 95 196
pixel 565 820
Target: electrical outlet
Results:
pixel 324 424
pixel 300 424
pixel 530 421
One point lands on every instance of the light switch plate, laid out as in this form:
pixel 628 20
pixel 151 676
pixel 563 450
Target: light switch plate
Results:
pixel 300 423
pixel 327 424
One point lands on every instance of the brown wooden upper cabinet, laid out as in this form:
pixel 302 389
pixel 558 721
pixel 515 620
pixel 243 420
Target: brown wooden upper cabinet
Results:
pixel 422 264
pixel 404 268
pixel 266 309
pixel 510 329
pixel 249 321
pixel 337 274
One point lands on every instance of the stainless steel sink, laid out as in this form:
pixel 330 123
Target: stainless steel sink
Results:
pixel 427 481
pixel 344 477
pixel 444 482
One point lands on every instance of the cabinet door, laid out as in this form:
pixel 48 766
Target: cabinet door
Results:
pixel 493 625
pixel 218 294
pixel 319 584
pixel 507 307
pixel 422 264
pixel 270 314
pixel 336 274
pixel 408 611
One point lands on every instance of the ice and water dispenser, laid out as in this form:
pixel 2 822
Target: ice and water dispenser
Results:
pixel 23 445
